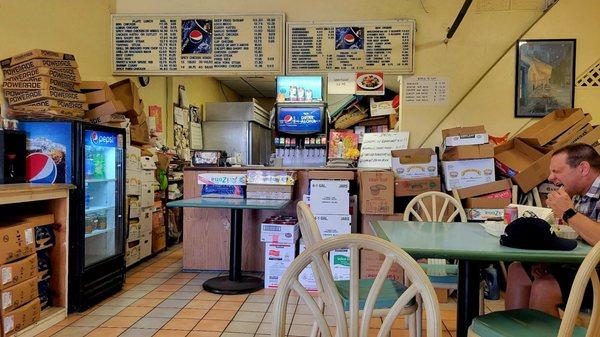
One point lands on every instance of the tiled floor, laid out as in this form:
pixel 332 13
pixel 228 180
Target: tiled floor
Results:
pixel 160 300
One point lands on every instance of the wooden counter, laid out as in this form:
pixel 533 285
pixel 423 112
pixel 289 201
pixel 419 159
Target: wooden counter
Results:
pixel 206 231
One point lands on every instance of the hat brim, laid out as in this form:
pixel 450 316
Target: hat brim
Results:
pixel 563 244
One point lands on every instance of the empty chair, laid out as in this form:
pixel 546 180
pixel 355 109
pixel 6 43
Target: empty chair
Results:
pixel 353 321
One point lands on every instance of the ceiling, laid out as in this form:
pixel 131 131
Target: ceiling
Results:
pixel 250 86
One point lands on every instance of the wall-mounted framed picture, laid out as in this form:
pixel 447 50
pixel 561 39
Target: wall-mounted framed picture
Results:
pixel 545 76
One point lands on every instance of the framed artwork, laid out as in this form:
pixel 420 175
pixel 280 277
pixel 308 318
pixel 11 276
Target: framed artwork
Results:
pixel 545 78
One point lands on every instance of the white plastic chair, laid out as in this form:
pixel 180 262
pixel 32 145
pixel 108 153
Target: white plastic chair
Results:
pixel 530 322
pixel 354 324
pixel 312 236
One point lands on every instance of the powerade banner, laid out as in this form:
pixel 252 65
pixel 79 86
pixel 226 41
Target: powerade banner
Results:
pixel 299 120
pixel 48 152
pixel 99 138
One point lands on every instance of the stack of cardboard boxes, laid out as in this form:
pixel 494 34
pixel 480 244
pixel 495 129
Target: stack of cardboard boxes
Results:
pixel 280 235
pixel 332 206
pixel 485 201
pixel 467 158
pixel 416 171
pixel 19 295
pixel 104 107
pixel 526 158
pixel 127 92
pixel 43 83
pixel 275 185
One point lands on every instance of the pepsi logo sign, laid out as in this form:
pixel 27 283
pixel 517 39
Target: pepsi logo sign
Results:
pixel 96 139
pixel 288 118
pixel 40 168
pixel 196 35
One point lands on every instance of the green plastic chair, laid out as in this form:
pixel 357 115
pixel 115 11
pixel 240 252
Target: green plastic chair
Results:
pixel 389 293
pixel 534 323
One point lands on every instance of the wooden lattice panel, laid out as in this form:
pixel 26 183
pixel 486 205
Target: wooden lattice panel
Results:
pixel 591 77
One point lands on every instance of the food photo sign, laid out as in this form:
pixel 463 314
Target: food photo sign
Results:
pixel 370 83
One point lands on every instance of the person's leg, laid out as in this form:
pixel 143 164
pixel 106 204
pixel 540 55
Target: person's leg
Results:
pixel 518 287
pixel 545 295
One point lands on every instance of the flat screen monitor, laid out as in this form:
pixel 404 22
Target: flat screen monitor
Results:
pixel 301 120
pixel 299 89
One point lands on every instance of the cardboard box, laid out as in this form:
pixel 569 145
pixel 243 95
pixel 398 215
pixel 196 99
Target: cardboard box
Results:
pixel 376 192
pixel 370 261
pixel 61 75
pixel 100 96
pixel 134 156
pixel 566 137
pixel 17 97
pixel 41 82
pixel 590 137
pixel 306 277
pixel 414 163
pixel 483 189
pixel 465 152
pixel 127 92
pixel 19 294
pixel 89 86
pixel 331 175
pixel 145 245
pixel 147 176
pixel 547 187
pixel 330 197
pixel 271 177
pixel 16 272
pixel 35 63
pixel 482 214
pixel 134 230
pixel 235 179
pixel 331 225
pixel 487 203
pixel 279 233
pixel 21 318
pixel 467 173
pixel 105 109
pixel 412 187
pixel 147 163
pixel 278 258
pixel 526 166
pixel 551 126
pixel 50 104
pixel 273 192
pixel 132 253
pixel 133 183
pixel 18 240
pixel 470 135
pixel 35 54
pixel 339 261
pixel 140 133
pixel 147 195
pixel 159 239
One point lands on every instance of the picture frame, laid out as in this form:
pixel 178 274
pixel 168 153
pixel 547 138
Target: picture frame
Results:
pixel 545 76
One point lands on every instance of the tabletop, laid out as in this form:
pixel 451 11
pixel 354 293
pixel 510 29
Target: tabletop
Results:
pixel 466 241
pixel 230 203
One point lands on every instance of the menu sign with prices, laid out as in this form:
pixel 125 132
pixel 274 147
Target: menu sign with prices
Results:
pixel 425 90
pixel 386 46
pixel 197 44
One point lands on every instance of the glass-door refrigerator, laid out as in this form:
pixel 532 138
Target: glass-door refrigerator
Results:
pixel 91 157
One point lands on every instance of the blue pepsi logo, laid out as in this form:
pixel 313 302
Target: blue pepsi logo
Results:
pixel 99 139
pixel 40 168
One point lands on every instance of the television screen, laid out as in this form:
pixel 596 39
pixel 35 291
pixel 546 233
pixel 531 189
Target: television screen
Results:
pixel 304 120
pixel 299 88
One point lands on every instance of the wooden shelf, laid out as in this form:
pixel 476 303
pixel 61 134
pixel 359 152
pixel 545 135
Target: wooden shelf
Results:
pixel 15 193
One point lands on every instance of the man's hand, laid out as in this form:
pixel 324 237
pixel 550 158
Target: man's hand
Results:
pixel 559 201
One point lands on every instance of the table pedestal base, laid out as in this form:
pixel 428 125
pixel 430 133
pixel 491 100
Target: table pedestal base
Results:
pixel 224 286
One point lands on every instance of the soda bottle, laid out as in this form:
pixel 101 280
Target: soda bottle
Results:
pixel 89 164
pixel 98 165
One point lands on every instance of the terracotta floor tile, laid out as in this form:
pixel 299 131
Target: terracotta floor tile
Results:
pixel 50 331
pixel 186 276
pixel 177 281
pixel 147 302
pixel 171 333
pixel 70 319
pixel 191 313
pixel 220 314
pixel 227 305
pixel 200 304
pixel 181 324
pixel 120 322
pixel 196 333
pixel 206 296
pixel 106 332
pixel 135 311
pixel 169 287
pixel 158 294
pixel 211 325
pixel 134 280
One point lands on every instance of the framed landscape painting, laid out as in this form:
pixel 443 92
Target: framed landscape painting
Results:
pixel 545 76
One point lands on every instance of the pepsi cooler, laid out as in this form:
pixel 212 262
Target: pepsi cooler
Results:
pixel 91 157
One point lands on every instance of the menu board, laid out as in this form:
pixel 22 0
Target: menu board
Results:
pixel 197 44
pixel 386 46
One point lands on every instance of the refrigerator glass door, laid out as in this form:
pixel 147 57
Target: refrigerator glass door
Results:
pixel 102 221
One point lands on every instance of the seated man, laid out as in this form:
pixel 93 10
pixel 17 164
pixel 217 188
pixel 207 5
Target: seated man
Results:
pixel 576 169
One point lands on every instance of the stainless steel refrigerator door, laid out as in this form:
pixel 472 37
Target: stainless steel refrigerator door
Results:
pixel 231 137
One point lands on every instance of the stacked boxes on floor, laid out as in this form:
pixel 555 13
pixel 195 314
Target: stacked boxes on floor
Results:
pixel 416 171
pixel 330 203
pixel 486 201
pixel 148 179
pixel 280 234
pixel 467 158
pixel 43 82
pixel 159 232
pixel 24 285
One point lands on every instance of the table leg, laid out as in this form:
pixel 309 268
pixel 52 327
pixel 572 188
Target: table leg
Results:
pixel 468 295
pixel 235 282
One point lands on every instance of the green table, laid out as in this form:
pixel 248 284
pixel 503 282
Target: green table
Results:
pixel 471 245
pixel 235 282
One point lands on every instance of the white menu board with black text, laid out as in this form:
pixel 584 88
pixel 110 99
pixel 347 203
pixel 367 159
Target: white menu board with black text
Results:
pixel 197 44
pixel 386 46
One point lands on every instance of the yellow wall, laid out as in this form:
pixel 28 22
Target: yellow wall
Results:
pixel 491 102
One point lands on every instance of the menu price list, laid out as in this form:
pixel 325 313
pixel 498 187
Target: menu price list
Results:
pixel 198 44
pixel 352 46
